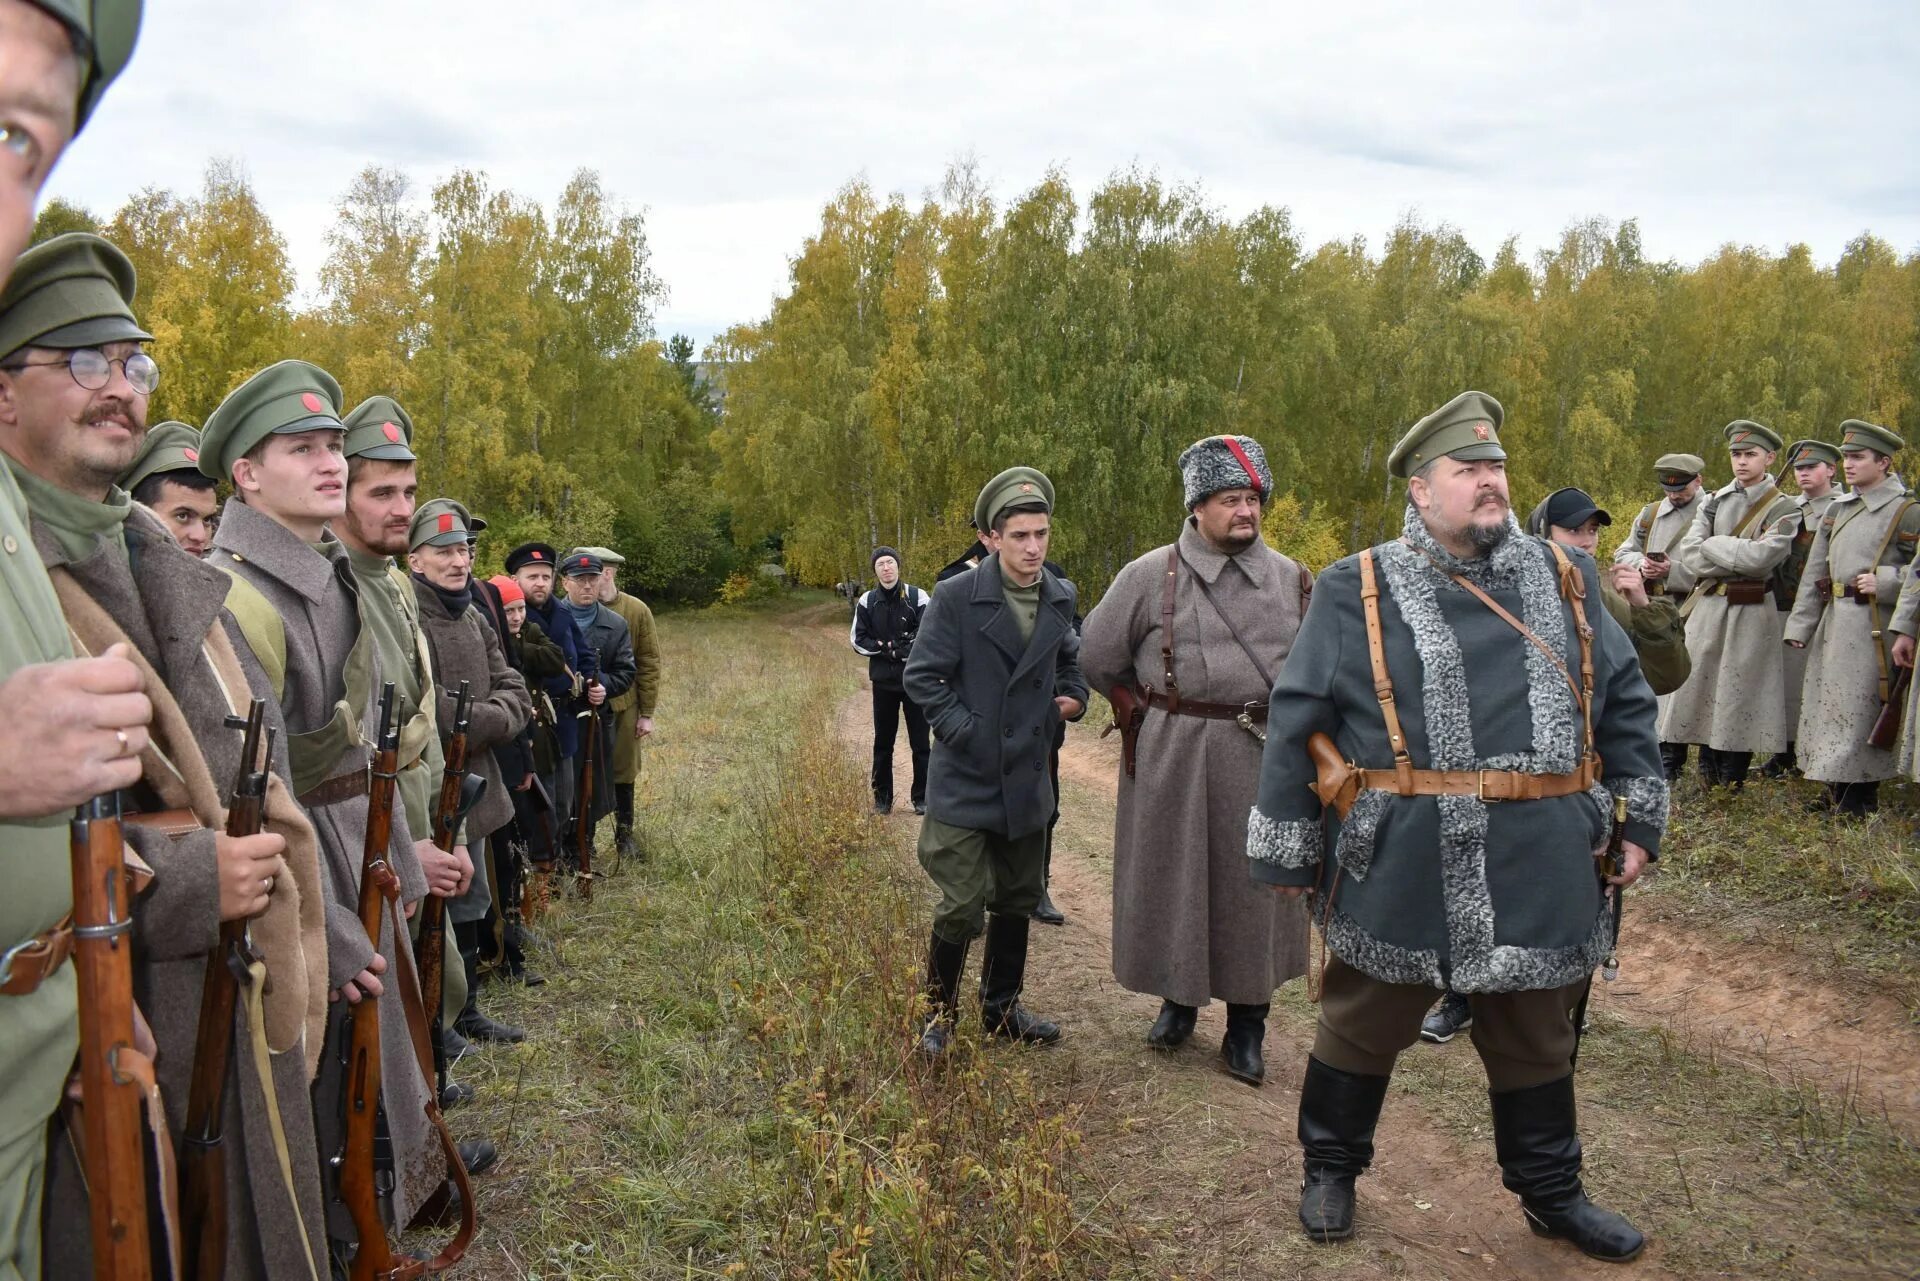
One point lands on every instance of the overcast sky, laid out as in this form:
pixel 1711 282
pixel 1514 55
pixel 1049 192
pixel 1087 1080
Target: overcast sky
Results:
pixel 730 124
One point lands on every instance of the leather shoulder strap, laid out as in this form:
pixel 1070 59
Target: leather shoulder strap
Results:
pixel 1758 510
pixel 1258 666
pixel 1166 628
pixel 1382 679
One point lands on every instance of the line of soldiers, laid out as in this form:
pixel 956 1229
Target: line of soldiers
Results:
pixel 291 593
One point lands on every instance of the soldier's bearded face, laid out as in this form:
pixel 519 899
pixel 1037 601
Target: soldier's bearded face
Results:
pixel 380 501
pixel 39 85
pixel 537 582
pixel 60 431
pixel 1750 463
pixel 1229 520
pixel 1464 504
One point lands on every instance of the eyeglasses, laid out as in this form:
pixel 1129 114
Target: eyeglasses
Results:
pixel 92 369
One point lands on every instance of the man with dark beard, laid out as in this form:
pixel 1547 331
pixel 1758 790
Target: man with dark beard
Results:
pixel 1466 716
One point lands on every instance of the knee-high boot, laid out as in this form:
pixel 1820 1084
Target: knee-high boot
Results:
pixel 1539 1149
pixel 945 961
pixel 1003 970
pixel 1338 1113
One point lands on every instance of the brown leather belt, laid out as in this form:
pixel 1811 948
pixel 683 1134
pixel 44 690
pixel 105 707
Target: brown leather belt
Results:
pixel 1847 591
pixel 24 967
pixel 1738 591
pixel 343 787
pixel 1483 785
pixel 1256 712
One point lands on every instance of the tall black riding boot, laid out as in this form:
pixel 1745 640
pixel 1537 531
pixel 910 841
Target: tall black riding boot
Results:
pixel 623 821
pixel 1338 1111
pixel 1713 771
pixel 1240 1048
pixel 471 1023
pixel 1734 767
pixel 1780 764
pixel 1673 756
pixel 1539 1150
pixel 1857 800
pixel 1044 911
pixel 1003 968
pixel 945 961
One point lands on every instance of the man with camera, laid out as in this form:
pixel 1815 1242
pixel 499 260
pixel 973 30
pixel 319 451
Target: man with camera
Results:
pixel 884 623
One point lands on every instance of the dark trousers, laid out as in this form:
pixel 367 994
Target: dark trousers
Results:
pixel 887 706
pixel 1524 1038
pixel 980 872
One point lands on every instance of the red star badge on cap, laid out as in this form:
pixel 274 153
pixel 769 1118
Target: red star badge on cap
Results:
pixel 446 522
pixel 1026 487
pixel 191 455
pixel 1482 430
pixel 314 404
pixel 536 556
pixel 392 432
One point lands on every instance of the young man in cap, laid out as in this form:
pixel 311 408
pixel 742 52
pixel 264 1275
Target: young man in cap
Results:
pixel 122 581
pixel 534 567
pixel 1459 848
pixel 995 667
pixel 1650 545
pixel 295 604
pixel 464 647
pixel 77 724
pixel 165 477
pixel 1735 703
pixel 632 710
pixel 604 636
pixel 1197 630
pixel 1850 590
pixel 1813 464
pixel 885 621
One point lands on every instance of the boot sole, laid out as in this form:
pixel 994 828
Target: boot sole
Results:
pixel 1255 1081
pixel 1327 1238
pixel 1541 1230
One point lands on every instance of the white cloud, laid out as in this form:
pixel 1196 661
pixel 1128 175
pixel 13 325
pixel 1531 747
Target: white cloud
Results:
pixel 732 123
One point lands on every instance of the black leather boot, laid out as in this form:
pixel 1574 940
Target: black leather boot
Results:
pixel 945 961
pixel 471 1023
pixel 1338 1111
pixel 1712 771
pixel 1673 756
pixel 1733 769
pixel 1539 1150
pixel 1780 764
pixel 1003 968
pixel 623 842
pixel 1240 1048
pixel 1174 1025
pixel 1856 800
pixel 1044 911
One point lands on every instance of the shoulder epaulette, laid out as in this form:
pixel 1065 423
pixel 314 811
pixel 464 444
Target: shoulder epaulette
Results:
pixel 260 623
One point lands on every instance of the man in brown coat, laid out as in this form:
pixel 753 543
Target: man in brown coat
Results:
pixel 295 606
pixel 632 710
pixel 64 443
pixel 1188 925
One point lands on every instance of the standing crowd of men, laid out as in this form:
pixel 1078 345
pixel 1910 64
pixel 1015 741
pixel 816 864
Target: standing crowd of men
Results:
pixel 142 616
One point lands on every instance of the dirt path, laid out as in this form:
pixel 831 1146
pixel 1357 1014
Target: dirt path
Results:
pixel 1210 1161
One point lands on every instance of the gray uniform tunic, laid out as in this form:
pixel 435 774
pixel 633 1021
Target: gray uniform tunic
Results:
pixel 1811 510
pixel 1449 890
pixel 1846 662
pixel 1188 924
pixel 1736 698
pixel 313 593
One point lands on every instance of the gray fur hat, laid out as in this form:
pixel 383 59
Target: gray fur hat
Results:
pixel 1225 462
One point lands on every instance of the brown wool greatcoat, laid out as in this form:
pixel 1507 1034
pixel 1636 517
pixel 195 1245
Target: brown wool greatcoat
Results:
pixel 1188 924
pixel 314 596
pixel 640 697
pixel 172 621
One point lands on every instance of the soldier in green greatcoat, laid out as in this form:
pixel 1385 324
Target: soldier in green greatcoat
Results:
pixel 76 727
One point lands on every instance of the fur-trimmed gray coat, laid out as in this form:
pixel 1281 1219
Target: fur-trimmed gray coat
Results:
pixel 989 699
pixel 1450 890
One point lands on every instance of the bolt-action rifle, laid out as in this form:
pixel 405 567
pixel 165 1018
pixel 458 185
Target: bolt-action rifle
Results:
pixel 583 810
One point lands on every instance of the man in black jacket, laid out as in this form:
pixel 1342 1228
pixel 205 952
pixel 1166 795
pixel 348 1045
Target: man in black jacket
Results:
pixel 885 621
pixel 608 666
pixel 996 668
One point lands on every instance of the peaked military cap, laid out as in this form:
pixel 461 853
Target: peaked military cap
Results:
pixel 103 34
pixel 438 523
pixel 1014 487
pixel 581 563
pixel 168 446
pixel 379 428
pixel 474 523
pixel 281 400
pixel 71 291
pixel 1802 452
pixel 607 555
pixel 1684 466
pixel 1855 434
pixel 1744 433
pixel 532 554
pixel 1466 428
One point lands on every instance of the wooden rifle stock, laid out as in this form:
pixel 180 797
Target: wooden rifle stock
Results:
pixel 203 1158
pixel 1886 726
pixel 114 1153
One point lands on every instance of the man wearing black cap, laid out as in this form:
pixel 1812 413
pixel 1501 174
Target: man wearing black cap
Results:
pixel 534 567
pixel 885 621
pixel 607 661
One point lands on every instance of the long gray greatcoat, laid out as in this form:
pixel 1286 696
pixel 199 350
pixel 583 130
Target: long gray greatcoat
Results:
pixel 1486 897
pixel 468 649
pixel 167 618
pixel 1659 527
pixel 1846 663
pixel 989 699
pixel 1811 510
pixel 1188 924
pixel 1736 699
pixel 314 595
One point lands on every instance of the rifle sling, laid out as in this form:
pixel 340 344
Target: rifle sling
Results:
pixel 276 1128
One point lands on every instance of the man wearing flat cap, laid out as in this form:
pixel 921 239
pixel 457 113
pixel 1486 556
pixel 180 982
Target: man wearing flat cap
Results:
pixel 996 668
pixel 1813 464
pixel 606 656
pixel 1650 544
pixel 165 478
pixel 1194 633
pixel 1847 597
pixel 295 605
pixel 1735 703
pixel 1436 778
pixel 68 716
pixel 632 710
pixel 122 581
